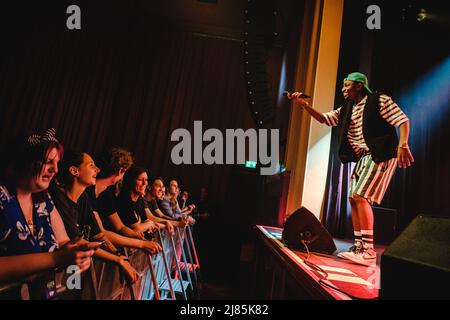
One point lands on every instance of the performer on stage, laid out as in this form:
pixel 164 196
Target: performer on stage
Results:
pixel 366 131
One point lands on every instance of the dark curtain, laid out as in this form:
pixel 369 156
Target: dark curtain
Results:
pixel 337 219
pixel 130 87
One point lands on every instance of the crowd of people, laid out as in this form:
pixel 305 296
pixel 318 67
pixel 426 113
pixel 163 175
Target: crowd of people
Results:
pixel 60 208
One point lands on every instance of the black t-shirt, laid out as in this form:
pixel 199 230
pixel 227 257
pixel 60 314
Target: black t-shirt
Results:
pixel 130 211
pixel 74 215
pixel 90 191
pixel 152 205
pixel 161 208
pixel 105 204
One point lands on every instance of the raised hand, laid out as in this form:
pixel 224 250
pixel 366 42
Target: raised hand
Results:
pixel 298 98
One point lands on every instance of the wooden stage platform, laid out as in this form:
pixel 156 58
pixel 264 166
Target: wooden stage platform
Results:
pixel 284 274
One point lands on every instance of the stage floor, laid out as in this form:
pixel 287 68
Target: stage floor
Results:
pixel 357 281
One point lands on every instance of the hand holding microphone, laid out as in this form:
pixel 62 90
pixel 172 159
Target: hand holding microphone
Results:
pixel 298 97
pixel 290 94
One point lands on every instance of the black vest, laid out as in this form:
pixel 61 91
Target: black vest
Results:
pixel 381 137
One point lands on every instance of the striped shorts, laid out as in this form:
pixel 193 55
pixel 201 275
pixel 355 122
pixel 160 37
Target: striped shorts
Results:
pixel 370 180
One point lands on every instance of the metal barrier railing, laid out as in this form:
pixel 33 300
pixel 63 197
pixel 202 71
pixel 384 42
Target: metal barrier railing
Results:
pixel 165 275
pixel 28 288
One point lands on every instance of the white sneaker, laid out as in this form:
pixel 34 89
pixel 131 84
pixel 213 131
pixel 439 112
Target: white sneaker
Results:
pixel 365 257
pixel 353 248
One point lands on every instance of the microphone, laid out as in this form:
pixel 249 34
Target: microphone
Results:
pixel 302 96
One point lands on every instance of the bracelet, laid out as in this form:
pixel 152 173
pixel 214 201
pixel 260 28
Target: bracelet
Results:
pixel 404 146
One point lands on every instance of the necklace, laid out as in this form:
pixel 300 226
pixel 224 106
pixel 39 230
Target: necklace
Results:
pixel 28 205
pixel 31 225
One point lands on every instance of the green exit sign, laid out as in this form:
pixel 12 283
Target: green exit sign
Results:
pixel 250 164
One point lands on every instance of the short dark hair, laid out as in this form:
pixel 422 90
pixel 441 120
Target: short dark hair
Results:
pixel 71 158
pixel 154 178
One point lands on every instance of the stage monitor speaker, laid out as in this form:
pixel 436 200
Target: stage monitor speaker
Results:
pixel 303 226
pixel 417 264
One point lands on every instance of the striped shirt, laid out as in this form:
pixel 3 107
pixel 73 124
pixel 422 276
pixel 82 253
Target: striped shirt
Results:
pixel 389 110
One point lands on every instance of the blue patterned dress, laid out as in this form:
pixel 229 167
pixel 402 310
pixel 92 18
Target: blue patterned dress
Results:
pixel 15 235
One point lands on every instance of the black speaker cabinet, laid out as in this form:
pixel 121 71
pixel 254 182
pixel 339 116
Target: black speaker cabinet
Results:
pixel 385 222
pixel 417 264
pixel 303 226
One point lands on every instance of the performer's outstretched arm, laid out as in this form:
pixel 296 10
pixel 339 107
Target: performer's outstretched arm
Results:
pixel 303 103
